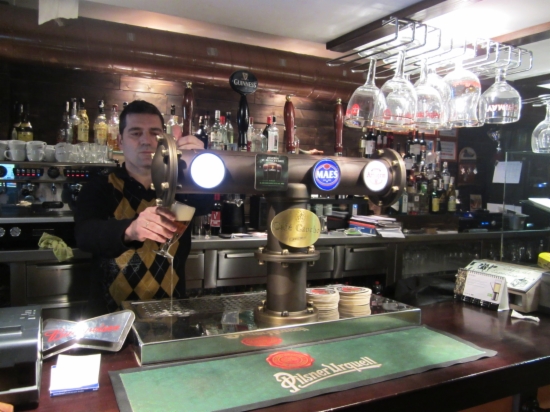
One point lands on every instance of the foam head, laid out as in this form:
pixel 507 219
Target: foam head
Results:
pixel 183 212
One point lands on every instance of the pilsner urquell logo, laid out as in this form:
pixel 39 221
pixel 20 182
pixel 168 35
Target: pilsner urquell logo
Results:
pixel 297 360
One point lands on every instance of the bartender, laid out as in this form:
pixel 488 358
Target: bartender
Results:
pixel 117 220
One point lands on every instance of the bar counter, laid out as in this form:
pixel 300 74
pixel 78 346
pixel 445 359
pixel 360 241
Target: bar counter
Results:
pixel 521 365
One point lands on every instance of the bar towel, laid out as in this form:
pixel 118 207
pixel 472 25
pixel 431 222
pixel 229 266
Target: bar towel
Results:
pixel 60 249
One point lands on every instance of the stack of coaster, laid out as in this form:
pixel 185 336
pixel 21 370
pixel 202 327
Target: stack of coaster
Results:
pixel 326 302
pixel 354 301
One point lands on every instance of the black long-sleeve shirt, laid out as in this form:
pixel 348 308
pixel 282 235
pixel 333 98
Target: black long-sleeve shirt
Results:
pixel 105 207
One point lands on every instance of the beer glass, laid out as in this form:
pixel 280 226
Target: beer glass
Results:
pixel 540 139
pixel 184 214
pixel 465 94
pixel 400 99
pixel 361 106
pixel 500 103
pixel 429 104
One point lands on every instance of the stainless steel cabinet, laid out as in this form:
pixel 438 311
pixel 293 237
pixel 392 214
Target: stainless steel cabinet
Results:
pixel 239 267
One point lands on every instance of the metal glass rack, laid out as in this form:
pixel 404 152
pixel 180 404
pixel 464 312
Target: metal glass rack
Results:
pixel 420 41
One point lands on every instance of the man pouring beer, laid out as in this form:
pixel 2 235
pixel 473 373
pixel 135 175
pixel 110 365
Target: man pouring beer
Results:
pixel 117 220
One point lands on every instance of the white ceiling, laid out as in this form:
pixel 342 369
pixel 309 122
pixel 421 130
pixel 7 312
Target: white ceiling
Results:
pixel 304 26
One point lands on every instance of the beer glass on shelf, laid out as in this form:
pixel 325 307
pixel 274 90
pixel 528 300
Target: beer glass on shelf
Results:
pixel 362 104
pixel 400 98
pixel 540 138
pixel 429 104
pixel 184 214
pixel 500 103
pixel 465 94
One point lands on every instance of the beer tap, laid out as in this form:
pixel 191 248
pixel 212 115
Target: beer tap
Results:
pixel 338 128
pixel 289 126
pixel 188 108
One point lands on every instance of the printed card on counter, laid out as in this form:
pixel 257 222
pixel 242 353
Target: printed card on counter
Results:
pixel 482 289
pixel 75 374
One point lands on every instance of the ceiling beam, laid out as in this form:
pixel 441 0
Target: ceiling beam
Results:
pixel 421 11
pixel 526 36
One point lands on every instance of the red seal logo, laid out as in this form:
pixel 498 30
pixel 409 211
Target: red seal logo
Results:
pixel 350 289
pixel 290 360
pixel 262 341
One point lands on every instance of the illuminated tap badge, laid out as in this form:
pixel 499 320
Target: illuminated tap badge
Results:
pixel 376 175
pixel 326 174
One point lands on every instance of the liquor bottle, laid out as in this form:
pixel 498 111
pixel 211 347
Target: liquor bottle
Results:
pixel 408 158
pixel 74 120
pixel 442 195
pixel 391 141
pixel 451 196
pixel 112 128
pixel 172 121
pixel 422 184
pixel 438 156
pixel 445 175
pixel 423 144
pixel 216 137
pixel 223 131
pixel 363 142
pixel 18 114
pixel 250 134
pixel 84 122
pixel 201 133
pixel 273 136
pixel 371 144
pixel 384 140
pixel 267 125
pixel 65 132
pixel 25 132
pixel 459 202
pixel 216 214
pixel 415 147
pixel 422 181
pixel 207 122
pixel 379 143
pixel 398 149
pixel 100 125
pixel 434 198
pixel 230 133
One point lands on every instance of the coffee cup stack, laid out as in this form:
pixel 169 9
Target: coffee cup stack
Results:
pixel 35 150
pixel 17 151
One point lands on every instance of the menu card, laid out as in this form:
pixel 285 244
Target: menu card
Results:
pixel 74 374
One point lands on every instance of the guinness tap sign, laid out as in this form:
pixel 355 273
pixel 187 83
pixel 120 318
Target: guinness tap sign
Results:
pixel 243 82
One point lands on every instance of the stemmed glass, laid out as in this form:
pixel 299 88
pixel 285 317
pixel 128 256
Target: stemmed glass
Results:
pixel 465 94
pixel 184 214
pixel 500 103
pixel 437 82
pixel 400 97
pixel 429 104
pixel 361 106
pixel 540 139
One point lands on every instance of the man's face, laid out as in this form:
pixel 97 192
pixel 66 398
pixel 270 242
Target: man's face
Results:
pixel 138 141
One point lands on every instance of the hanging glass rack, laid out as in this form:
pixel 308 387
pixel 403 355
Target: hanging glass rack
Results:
pixel 421 41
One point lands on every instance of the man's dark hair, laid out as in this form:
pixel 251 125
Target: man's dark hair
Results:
pixel 138 107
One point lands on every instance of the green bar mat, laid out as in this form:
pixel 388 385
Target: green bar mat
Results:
pixel 249 381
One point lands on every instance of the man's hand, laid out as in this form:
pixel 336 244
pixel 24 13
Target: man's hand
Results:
pixel 189 142
pixel 153 223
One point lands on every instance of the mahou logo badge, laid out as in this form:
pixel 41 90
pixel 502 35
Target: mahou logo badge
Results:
pixel 326 174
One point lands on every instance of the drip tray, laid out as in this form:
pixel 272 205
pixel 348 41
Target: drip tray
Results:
pixel 185 329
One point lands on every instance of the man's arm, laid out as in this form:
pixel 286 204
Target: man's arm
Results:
pixel 96 230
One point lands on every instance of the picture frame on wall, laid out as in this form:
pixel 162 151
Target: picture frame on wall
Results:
pixel 448 150
pixel 448 133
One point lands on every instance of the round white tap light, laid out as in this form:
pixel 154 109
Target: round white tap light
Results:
pixel 207 170
pixel 375 175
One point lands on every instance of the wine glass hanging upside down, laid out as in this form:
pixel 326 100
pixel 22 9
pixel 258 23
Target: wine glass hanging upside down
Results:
pixel 184 214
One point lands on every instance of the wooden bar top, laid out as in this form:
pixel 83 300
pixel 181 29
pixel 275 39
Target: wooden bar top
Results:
pixel 521 365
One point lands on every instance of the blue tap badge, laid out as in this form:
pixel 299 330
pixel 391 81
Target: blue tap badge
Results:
pixel 326 174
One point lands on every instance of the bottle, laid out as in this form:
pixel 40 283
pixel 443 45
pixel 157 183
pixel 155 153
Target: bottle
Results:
pixel 259 143
pixel 377 288
pixel 124 104
pixel 172 121
pixel 458 202
pixel 18 114
pixel 207 122
pixel 398 149
pixel 267 125
pixel 216 214
pixel 230 133
pixel 84 122
pixel 100 125
pixel 434 198
pixel 25 132
pixel 438 156
pixel 442 195
pixel 391 141
pixel 415 147
pixel 451 196
pixel 223 131
pixel 65 132
pixel 379 140
pixel 272 135
pixel 423 144
pixel 201 133
pixel 445 175
pixel 363 141
pixel 216 136
pixel 74 120
pixel 371 144
pixel 112 129
pixel 250 134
